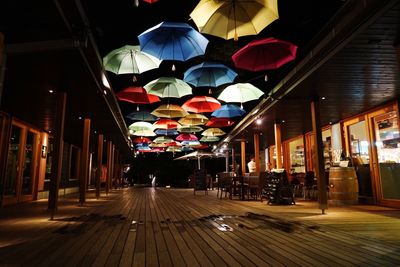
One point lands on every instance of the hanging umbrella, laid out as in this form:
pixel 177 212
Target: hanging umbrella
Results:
pixel 201 146
pixel 169 111
pixel 141 116
pixel 190 143
pixel 213 132
pixel 186 149
pixel 199 104
pixel 228 111
pixel 190 129
pixel 194 119
pixel 173 41
pixel 240 93
pixel 151 1
pixel 264 54
pixel 168 87
pixel 174 143
pixel 234 18
pixel 129 59
pixel 166 132
pixel 158 145
pixel 209 139
pixel 186 137
pixel 209 74
pixel 141 140
pixel 141 126
pixel 137 95
pixel 142 146
pixel 166 124
pixel 173 149
pixel 197 155
pixel 163 140
pixel 148 133
pixel 220 122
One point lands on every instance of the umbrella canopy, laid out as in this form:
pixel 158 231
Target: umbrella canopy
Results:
pixel 186 149
pixel 174 143
pixel 264 54
pixel 209 74
pixel 240 93
pixel 190 129
pixel 199 104
pixel 159 145
pixel 163 140
pixel 186 137
pixel 141 116
pixel 220 122
pixel 129 59
pixel 166 124
pixel 169 111
pixel 168 87
pixel 144 133
pixel 196 155
pixel 209 139
pixel 213 132
pixel 141 140
pixel 190 143
pixel 228 111
pixel 137 95
pixel 234 18
pixel 194 119
pixel 173 41
pixel 151 1
pixel 141 126
pixel 143 147
pixel 166 132
pixel 174 149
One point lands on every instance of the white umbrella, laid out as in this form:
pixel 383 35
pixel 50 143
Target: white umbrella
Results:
pixel 240 93
pixel 168 87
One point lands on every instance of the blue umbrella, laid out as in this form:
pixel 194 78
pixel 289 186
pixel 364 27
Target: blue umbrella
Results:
pixel 186 149
pixel 173 41
pixel 228 111
pixel 166 132
pixel 143 146
pixel 141 116
pixel 209 74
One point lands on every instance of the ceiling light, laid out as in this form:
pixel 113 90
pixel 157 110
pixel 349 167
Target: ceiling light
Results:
pixel 323 98
pixel 283 121
pixel 214 146
pixel 51 91
pixel 105 92
pixel 80 117
pixel 105 81
pixel 259 121
pixel 224 146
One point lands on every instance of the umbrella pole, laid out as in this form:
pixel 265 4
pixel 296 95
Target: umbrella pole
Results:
pixel 198 162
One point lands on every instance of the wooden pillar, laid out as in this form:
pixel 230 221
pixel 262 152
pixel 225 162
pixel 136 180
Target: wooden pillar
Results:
pixel 233 159
pixel 278 145
pixel 2 64
pixel 112 166
pixel 58 148
pixel 99 164
pixel 319 159
pixel 227 161
pixel 84 173
pixel 116 168
pixel 109 165
pixel 5 131
pixel 243 153
pixel 257 151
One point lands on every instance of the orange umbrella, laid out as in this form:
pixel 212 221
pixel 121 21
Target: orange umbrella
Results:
pixel 194 119
pixel 199 104
pixel 169 111
pixel 166 124
pixel 141 139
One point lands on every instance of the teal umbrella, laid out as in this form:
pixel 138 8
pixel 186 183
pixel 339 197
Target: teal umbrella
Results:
pixel 168 87
pixel 129 59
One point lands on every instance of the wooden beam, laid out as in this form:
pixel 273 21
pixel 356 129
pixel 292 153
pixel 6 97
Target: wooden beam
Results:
pixel 233 159
pixel 116 168
pixel 319 157
pixel 257 151
pixel 243 154
pixel 5 131
pixel 84 174
pixel 42 46
pixel 57 153
pixel 278 145
pixel 109 160
pixel 99 164
pixel 227 161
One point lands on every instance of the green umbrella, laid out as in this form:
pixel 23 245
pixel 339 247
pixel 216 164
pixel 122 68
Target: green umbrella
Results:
pixel 209 139
pixel 163 140
pixel 240 93
pixel 129 59
pixel 141 126
pixel 190 129
pixel 168 87
pixel 144 133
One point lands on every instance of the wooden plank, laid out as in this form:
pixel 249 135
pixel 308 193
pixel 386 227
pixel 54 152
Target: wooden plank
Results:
pixel 243 155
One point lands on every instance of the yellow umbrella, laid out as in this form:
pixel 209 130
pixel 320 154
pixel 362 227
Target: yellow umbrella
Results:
pixel 194 119
pixel 213 132
pixel 169 111
pixel 233 18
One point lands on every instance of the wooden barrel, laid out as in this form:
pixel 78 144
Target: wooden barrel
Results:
pixel 343 185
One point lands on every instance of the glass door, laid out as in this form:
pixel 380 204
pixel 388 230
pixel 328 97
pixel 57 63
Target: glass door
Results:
pixel 21 168
pixel 388 153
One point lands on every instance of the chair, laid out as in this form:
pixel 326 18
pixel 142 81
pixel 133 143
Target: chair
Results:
pixel 224 183
pixel 310 185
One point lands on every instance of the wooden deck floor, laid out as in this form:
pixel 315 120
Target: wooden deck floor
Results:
pixel 171 227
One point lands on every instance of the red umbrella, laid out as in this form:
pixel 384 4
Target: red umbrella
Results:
pixel 174 144
pixel 142 139
pixel 199 104
pixel 186 137
pixel 166 124
pixel 151 1
pixel 264 54
pixel 220 122
pixel 201 146
pixel 137 95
